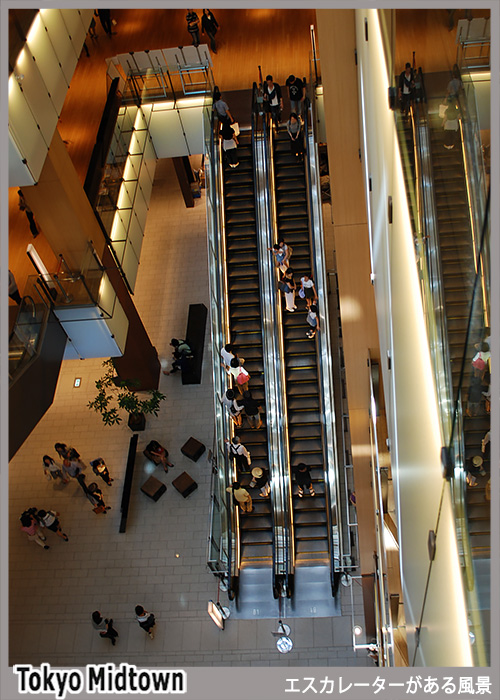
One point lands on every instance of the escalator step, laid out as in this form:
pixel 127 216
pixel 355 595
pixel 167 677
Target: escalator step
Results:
pixel 244 217
pixel 255 552
pixel 302 447
pixel 246 326
pixel 245 297
pixel 301 361
pixel 303 415
pixel 307 504
pixel 283 198
pixel 303 403
pixel 310 517
pixel 244 311
pixel 305 431
pixel 241 231
pixel 257 525
pixel 311 533
pixel 304 547
pixel 302 389
pixel 302 375
pixel 296 224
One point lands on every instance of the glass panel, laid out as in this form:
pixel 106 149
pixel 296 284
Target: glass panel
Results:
pixel 48 64
pixel 27 137
pixel 60 39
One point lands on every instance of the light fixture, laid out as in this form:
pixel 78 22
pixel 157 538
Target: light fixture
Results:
pixel 218 613
pixel 77 383
pixel 177 555
pixel 357 629
pixel 284 645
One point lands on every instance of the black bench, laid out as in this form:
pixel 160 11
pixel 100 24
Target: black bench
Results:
pixel 195 338
pixel 127 483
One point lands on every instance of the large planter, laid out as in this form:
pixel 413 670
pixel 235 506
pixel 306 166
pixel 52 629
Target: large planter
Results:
pixel 136 422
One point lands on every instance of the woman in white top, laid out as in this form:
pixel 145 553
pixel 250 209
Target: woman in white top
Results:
pixel 227 355
pixel 229 143
pixel 310 294
pixel 289 290
pixel 235 370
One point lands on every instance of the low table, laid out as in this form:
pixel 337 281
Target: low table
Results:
pixel 154 488
pixel 193 449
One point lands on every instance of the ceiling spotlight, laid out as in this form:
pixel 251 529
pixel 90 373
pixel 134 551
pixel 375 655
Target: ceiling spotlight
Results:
pixel 357 629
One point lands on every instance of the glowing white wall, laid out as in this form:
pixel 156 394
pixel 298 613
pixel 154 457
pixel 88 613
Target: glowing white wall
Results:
pixel 411 404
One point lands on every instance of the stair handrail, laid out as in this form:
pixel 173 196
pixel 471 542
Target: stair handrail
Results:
pixel 336 517
pixel 224 522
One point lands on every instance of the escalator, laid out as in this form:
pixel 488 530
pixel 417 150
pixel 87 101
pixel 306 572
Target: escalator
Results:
pixel 302 390
pixel 256 532
pixel 458 274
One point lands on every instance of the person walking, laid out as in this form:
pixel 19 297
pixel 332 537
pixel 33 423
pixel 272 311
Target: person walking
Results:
pixel 146 620
pixel 239 454
pixel 94 494
pixel 209 26
pixel 52 469
pixel 294 129
pixel 29 214
pixel 13 290
pixel 309 291
pixel 295 93
pixel 50 520
pixel 105 625
pixel 31 526
pixel 273 101
pixel 260 480
pixel 303 479
pixel 61 449
pixel 233 406
pixel 241 496
pixel 100 469
pixel 72 467
pixel 193 26
pixel 105 19
pixel 252 407
pixel 313 320
pixel 287 286
pixel 240 374
pixel 158 454
pixel 229 144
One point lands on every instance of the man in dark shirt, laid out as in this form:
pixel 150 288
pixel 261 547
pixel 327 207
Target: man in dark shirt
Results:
pixel 406 88
pixel 296 93
pixel 303 479
pixel 252 407
pixel 193 26
pixel 273 101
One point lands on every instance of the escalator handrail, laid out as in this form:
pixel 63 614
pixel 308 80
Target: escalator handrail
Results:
pixel 332 492
pixel 284 495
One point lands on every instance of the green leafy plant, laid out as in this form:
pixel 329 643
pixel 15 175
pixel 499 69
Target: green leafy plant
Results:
pixel 112 396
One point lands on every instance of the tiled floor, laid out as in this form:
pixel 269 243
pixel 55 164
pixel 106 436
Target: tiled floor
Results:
pixel 160 561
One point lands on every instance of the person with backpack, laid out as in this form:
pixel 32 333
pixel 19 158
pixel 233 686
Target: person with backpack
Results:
pixel 239 454
pixel 240 374
pixel 50 520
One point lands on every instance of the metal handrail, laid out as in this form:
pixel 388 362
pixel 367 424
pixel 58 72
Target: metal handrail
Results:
pixel 329 438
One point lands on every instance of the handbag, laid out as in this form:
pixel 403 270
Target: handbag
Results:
pixel 236 128
pixel 243 377
pixel 99 509
pixel 302 293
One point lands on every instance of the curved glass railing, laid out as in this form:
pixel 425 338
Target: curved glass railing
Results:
pixel 451 231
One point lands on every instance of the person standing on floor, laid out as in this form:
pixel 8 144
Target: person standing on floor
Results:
pixel 310 294
pixel 273 101
pixel 13 290
pixel 94 494
pixel 100 469
pixel 252 407
pixel 233 406
pixel 239 454
pixel 50 520
pixel 287 286
pixel 193 26
pixel 313 320
pixel 241 496
pixel 303 479
pixel 29 214
pixel 61 449
pixel 229 144
pixel 294 129
pixel 296 93
pixel 105 625
pixel 53 469
pixel 209 26
pixel 260 480
pixel 146 620
pixel 31 526
pixel 105 19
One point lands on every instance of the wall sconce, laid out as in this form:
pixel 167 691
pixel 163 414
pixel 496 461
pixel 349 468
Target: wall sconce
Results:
pixel 218 613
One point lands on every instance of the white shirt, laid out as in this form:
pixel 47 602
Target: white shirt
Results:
pixel 308 284
pixel 226 356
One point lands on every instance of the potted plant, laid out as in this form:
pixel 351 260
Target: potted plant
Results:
pixel 113 394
